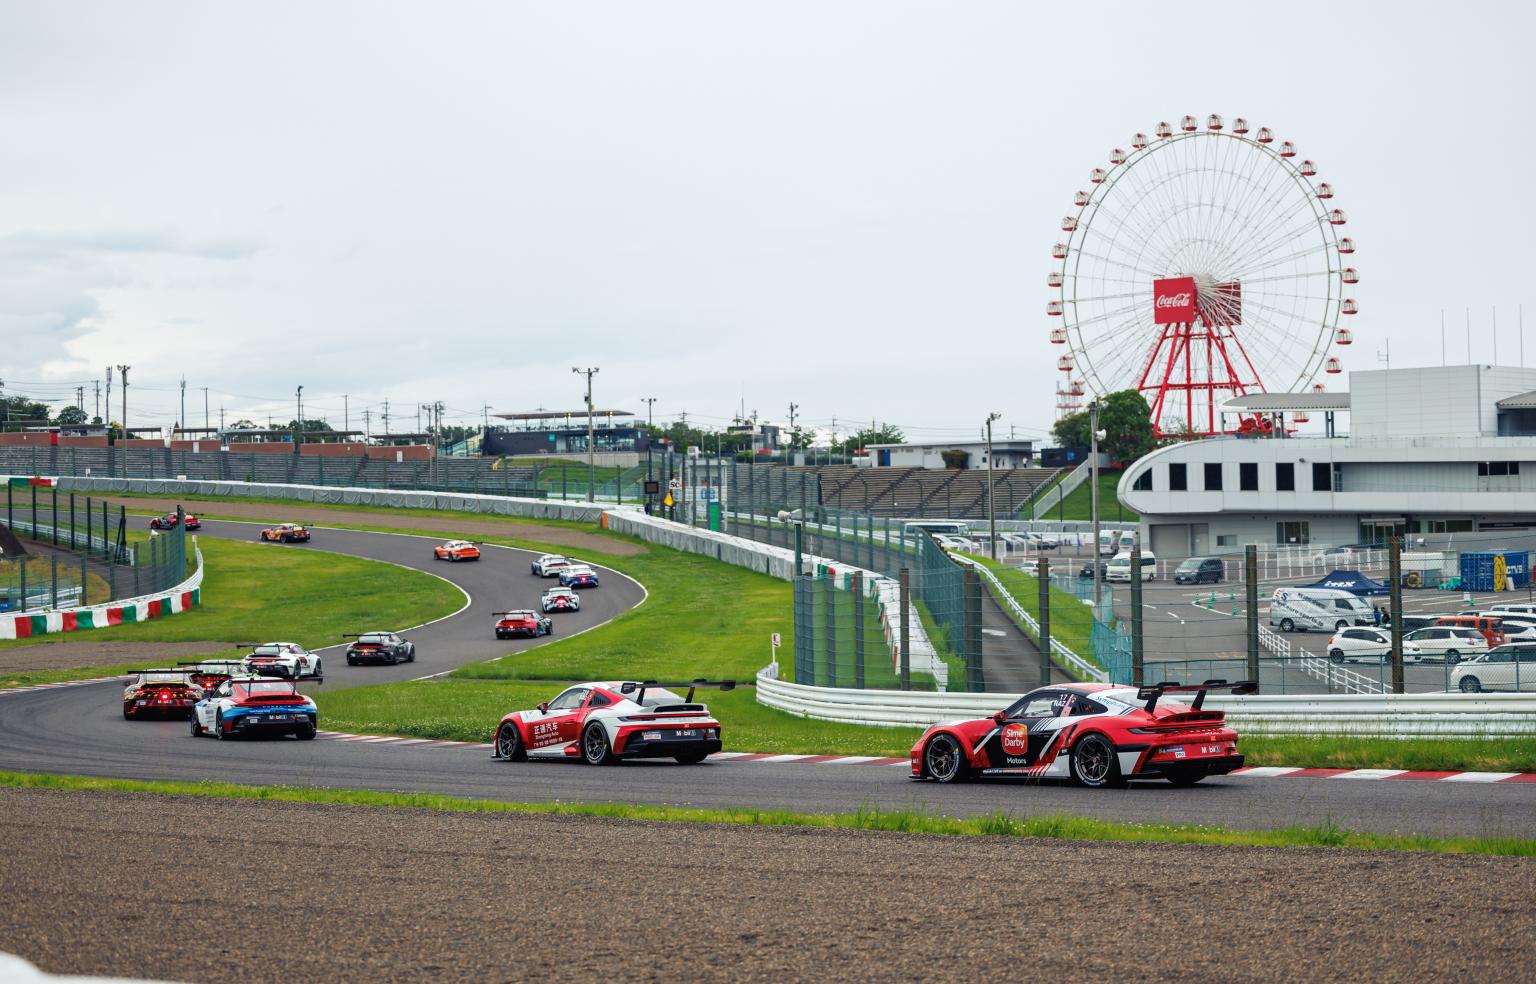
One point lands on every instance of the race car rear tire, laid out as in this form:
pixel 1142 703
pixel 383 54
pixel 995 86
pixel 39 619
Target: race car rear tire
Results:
pixel 305 733
pixel 944 760
pixel 127 713
pixel 692 758
pixel 218 725
pixel 410 655
pixel 595 747
pixel 1094 763
pixel 509 744
pixel 197 729
pixel 351 661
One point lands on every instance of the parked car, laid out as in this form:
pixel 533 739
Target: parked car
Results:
pixel 1087 569
pixel 1199 570
pixel 1317 609
pixel 1371 644
pixel 1446 644
pixel 1491 627
pixel 1342 556
pixel 1119 569
pixel 1109 543
pixel 1511 667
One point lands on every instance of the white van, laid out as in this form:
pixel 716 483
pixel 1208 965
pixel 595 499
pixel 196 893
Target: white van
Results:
pixel 1317 610
pixel 1109 543
pixel 936 527
pixel 1119 569
pixel 1520 609
pixel 1127 540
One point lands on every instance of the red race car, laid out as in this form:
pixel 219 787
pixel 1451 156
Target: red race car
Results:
pixel 604 723
pixel 1096 734
pixel 522 623
pixel 169 520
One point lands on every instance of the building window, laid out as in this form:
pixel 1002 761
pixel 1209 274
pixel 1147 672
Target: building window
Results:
pixel 1178 480
pixel 1487 468
pixel 1322 476
pixel 1248 476
pixel 1226 539
pixel 1213 476
pixel 1143 481
pixel 1285 476
pixel 1297 533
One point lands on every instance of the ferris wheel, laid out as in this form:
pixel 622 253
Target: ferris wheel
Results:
pixel 1205 262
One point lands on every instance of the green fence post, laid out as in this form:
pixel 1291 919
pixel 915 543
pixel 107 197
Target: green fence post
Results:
pixel 88 539
pixel 84 592
pixel 1251 593
pixel 831 601
pixel 976 681
pixel 136 575
pixel 34 507
pixel 73 541
pixel 858 630
pixel 53 573
pixel 55 521
pixel 1043 573
pixel 24 605
pixel 904 581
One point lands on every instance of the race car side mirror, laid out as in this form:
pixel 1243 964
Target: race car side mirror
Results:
pixel 543 708
pixel 1000 717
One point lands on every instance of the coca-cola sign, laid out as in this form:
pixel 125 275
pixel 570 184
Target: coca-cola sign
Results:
pixel 1173 301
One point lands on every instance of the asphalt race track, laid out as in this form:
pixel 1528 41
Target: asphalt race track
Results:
pixel 79 729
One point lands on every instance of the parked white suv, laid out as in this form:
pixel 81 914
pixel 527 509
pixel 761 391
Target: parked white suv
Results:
pixel 1361 643
pixel 1502 668
pixel 1447 643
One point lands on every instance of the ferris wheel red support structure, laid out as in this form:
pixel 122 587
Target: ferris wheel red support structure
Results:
pixel 1198 360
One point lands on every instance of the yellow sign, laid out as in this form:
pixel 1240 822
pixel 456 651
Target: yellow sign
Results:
pixel 1500 571
pixel 668 500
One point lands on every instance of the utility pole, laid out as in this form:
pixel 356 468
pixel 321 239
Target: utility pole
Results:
pixel 124 371
pixel 386 416
pixel 221 421
pixel 650 403
pixel 109 400
pixel 205 408
pixel 591 459
pixel 1093 478
pixel 80 399
pixel 991 510
pixel 97 383
pixel 181 422
pixel 346 414
pixel 298 425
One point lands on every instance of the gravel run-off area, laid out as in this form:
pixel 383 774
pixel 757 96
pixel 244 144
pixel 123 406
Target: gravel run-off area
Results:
pixel 188 888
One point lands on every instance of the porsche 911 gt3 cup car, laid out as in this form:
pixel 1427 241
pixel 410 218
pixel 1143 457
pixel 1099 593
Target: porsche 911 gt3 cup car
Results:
pixel 283 659
pixel 159 693
pixel 524 623
pixel 170 519
pixel 561 600
pixel 578 576
pixel 285 533
pixel 1096 734
pixel 456 550
pixel 240 708
pixel 380 647
pixel 549 565
pixel 604 723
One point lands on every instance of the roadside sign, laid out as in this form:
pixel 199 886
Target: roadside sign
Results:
pixel 775 640
pixel 668 500
pixel 674 484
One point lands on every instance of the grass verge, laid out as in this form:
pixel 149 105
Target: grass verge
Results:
pixel 253 592
pixel 1078 503
pixel 1045 826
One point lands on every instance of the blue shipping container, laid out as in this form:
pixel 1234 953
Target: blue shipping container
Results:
pixel 1495 570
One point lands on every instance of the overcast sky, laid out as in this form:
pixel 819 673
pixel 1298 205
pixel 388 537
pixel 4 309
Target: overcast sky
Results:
pixel 845 205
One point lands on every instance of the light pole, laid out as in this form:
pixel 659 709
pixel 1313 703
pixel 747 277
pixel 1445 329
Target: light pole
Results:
pixel 650 432
pixel 123 370
pixel 1093 478
pixel 298 425
pixel 591 460
pixel 991 511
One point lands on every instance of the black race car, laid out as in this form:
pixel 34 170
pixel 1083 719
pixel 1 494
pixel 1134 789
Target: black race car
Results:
pixel 380 647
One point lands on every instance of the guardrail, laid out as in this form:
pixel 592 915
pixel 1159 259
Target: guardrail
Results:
pixel 1336 677
pixel 1076 663
pixel 72 538
pixel 1361 716
pixel 179 598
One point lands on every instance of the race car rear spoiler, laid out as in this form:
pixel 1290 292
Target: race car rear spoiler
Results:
pixel 1153 693
pixel 692 685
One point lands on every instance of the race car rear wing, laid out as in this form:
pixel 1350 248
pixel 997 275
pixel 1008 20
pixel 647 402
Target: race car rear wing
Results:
pixel 692 685
pixel 1153 693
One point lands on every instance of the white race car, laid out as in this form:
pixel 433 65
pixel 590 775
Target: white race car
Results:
pixel 283 659
pixel 240 708
pixel 550 565
pixel 604 723
pixel 561 600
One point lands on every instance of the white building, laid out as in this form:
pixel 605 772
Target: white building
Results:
pixel 1428 451
pixel 930 454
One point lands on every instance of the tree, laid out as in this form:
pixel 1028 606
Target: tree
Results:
pixel 69 416
pixel 243 424
pixel 799 438
pixel 1124 417
pixel 884 434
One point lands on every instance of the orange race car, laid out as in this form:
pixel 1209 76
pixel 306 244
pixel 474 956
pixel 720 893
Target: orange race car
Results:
pixel 456 550
pixel 285 533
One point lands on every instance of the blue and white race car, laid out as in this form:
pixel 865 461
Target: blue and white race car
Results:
pixel 241 708
pixel 578 577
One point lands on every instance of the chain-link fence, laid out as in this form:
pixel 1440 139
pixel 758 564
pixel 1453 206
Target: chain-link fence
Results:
pixel 75 551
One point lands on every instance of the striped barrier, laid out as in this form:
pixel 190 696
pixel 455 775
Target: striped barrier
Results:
pixel 183 597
